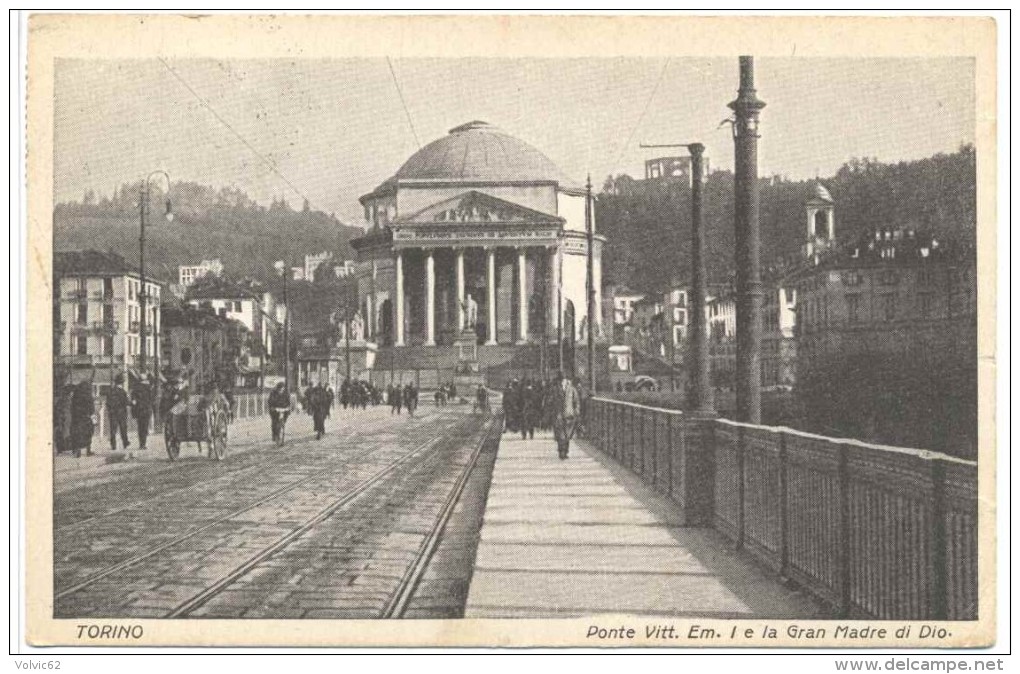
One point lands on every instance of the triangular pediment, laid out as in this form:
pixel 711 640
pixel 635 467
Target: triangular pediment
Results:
pixel 478 208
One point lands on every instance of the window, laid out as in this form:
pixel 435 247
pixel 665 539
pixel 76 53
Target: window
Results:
pixel 926 301
pixel 853 308
pixel 82 345
pixel 108 288
pixel 83 312
pixel 108 345
pixel 924 277
pixel 237 307
pixel 888 278
pixel 889 307
pixel 131 290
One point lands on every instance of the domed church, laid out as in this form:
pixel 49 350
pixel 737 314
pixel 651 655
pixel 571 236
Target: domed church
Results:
pixel 478 236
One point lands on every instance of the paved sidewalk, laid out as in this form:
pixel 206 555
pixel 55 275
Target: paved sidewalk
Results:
pixel 584 536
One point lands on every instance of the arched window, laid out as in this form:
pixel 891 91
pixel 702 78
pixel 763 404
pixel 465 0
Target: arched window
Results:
pixel 821 224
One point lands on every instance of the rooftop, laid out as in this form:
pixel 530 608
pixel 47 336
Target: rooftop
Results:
pixel 95 263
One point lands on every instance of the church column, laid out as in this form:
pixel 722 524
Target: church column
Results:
pixel 430 299
pixel 554 289
pixel 398 308
pixel 369 306
pixel 461 318
pixel 370 319
pixel 522 292
pixel 491 287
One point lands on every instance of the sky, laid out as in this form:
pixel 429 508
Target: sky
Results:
pixel 331 130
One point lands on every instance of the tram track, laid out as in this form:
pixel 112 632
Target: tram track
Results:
pixel 397 599
pixel 314 472
pixel 195 602
pixel 400 599
pixel 228 474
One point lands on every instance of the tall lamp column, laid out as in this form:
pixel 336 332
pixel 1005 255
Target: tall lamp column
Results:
pixel 747 107
pixel 143 294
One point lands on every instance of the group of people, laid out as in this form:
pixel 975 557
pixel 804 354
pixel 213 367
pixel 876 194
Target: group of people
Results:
pixel 76 417
pixel 318 401
pixel 445 393
pixel 359 394
pixel 402 397
pixel 554 405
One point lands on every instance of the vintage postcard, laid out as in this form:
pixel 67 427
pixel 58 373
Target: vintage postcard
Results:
pixel 511 331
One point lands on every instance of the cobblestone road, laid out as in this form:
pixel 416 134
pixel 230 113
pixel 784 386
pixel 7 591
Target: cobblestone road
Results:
pixel 317 529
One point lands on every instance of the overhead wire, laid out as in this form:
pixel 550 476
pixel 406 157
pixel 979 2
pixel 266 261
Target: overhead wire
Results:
pixel 244 141
pixel 644 111
pixel 400 93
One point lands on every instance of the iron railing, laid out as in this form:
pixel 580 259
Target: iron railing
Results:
pixel 874 531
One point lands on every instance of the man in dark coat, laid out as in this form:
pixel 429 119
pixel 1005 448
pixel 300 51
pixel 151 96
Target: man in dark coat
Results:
pixel 345 393
pixel 62 419
pixel 410 398
pixel 83 411
pixel 511 406
pixel 117 405
pixel 395 399
pixel 279 409
pixel 141 406
pixel 527 409
pixel 318 406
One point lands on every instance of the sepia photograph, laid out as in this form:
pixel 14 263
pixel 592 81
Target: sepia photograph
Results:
pixel 359 344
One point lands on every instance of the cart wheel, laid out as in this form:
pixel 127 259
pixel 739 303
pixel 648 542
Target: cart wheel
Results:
pixel 218 444
pixel 173 447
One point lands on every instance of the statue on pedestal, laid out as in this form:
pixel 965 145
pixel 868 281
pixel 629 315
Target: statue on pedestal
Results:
pixel 470 307
pixel 357 327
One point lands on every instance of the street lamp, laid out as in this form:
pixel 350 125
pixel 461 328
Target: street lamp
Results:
pixel 746 109
pixel 589 226
pixel 284 269
pixel 342 315
pixel 700 393
pixel 143 295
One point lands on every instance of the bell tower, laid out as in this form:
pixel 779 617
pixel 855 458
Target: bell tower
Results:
pixel 821 223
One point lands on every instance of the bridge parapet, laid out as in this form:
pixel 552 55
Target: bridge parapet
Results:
pixel 875 531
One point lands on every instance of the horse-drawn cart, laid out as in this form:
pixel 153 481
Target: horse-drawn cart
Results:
pixel 198 420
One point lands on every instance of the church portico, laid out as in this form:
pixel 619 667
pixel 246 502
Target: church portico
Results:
pixel 447 291
pixel 474 256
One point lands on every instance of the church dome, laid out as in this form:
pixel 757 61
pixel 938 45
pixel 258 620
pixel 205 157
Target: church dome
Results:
pixel 820 193
pixel 480 152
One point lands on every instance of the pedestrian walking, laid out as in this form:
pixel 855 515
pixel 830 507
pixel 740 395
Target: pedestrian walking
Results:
pixel 568 406
pixel 318 406
pixel 531 408
pixel 142 407
pixel 411 398
pixel 395 397
pixel 345 393
pixel 511 406
pixel 279 410
pixel 62 419
pixel 117 405
pixel 83 418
